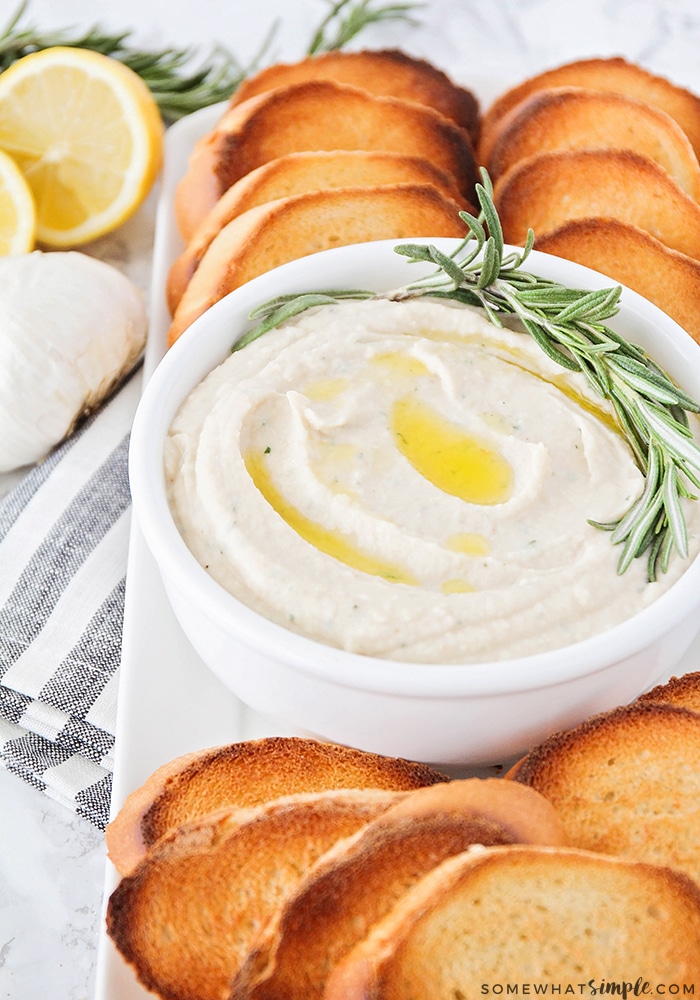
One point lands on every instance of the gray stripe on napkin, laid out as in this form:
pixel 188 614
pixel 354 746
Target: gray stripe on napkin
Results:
pixel 94 802
pixel 13 704
pixel 30 754
pixel 95 508
pixel 81 677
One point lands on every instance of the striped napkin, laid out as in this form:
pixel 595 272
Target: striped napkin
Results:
pixel 63 549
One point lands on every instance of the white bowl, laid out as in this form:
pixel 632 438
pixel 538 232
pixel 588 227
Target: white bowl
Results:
pixel 451 714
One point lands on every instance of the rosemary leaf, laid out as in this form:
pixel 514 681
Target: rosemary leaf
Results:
pixel 568 324
pixel 547 297
pixel 593 307
pixel 489 215
pixel 648 385
pixel 539 334
pixel 665 551
pixel 652 375
pixel 674 514
pixel 599 374
pixel 665 430
pixel 417 251
pixel 654 558
pixel 636 513
pixel 491 264
pixel 451 269
pixel 656 530
pixel 476 233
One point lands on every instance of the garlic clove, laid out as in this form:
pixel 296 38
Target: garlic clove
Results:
pixel 71 328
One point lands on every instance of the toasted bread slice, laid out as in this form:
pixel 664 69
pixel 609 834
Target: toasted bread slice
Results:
pixel 316 115
pixel 543 192
pixel 614 75
pixel 289 228
pixel 683 691
pixel 576 118
pixel 631 256
pixel 626 782
pixel 533 915
pixel 186 917
pixel 385 72
pixel 297 173
pixel 356 883
pixel 243 775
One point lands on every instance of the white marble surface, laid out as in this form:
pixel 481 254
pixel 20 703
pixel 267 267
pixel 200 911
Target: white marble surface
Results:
pixel 52 863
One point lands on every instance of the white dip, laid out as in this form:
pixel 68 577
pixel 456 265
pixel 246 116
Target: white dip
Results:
pixel 405 480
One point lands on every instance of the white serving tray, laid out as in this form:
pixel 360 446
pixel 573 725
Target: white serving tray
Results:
pixel 169 702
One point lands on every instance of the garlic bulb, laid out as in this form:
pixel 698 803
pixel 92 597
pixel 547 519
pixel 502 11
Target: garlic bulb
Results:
pixel 71 327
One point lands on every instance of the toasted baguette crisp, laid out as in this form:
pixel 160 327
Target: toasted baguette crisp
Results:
pixel 683 691
pixel 243 775
pixel 289 228
pixel 542 916
pixel 543 192
pixel 297 173
pixel 186 917
pixel 316 115
pixel 386 73
pixel 614 75
pixel 575 118
pixel 626 782
pixel 631 256
pixel 356 883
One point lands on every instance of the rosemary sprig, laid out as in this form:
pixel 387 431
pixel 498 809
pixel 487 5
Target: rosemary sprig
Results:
pixel 177 89
pixel 347 18
pixel 569 326
pixel 178 86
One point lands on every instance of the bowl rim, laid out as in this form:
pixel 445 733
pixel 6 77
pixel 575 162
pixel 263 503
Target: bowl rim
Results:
pixel 188 360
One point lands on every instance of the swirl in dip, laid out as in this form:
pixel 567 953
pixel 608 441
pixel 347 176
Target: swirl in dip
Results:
pixel 407 480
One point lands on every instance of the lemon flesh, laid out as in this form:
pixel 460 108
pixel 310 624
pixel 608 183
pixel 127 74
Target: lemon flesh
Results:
pixel 17 209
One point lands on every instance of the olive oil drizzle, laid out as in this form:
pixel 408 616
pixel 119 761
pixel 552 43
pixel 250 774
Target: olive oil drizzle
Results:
pixel 330 542
pixel 568 324
pixel 439 449
pixel 448 457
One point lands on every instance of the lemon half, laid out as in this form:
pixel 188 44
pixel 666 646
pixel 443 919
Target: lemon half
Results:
pixel 87 135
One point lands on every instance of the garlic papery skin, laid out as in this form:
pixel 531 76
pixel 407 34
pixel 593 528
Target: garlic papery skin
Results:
pixel 71 327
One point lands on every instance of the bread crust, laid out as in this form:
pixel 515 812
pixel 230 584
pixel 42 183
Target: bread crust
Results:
pixel 272 234
pixel 631 256
pixel 187 915
pixel 356 883
pixel 565 118
pixel 316 115
pixel 683 691
pixel 384 72
pixel 544 192
pixel 615 75
pixel 243 775
pixel 297 173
